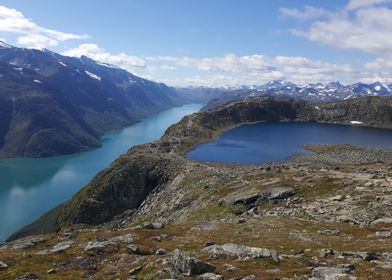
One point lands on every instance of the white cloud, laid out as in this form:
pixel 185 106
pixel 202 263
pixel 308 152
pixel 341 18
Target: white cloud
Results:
pixel 235 64
pixel 232 70
pixel 33 35
pixel 357 4
pixel 363 25
pixel 37 41
pixel 97 53
pixel 308 13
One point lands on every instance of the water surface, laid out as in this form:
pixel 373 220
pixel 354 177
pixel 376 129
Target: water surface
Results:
pixel 273 142
pixel 30 187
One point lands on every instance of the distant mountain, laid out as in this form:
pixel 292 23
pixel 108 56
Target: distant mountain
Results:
pixel 333 91
pixel 52 104
pixel 200 94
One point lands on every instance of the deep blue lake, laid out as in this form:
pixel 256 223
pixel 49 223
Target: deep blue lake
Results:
pixel 30 187
pixel 274 142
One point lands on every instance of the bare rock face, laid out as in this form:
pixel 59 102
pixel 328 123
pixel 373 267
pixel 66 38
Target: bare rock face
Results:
pixel 242 252
pixel 183 263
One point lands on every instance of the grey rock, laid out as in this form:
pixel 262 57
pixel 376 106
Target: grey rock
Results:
pixel 275 193
pixel 135 270
pixel 367 256
pixel 154 225
pixel 160 252
pixel 28 277
pixel 330 273
pixel 210 276
pixel 249 277
pixel 382 221
pixel 247 199
pixel 134 249
pixel 51 271
pixel 126 239
pixel 60 247
pixel 384 233
pixel 242 252
pixel 183 263
pixel 161 237
pixel 101 247
pixel 326 252
pixel 23 243
pixel 329 232
pixel 3 266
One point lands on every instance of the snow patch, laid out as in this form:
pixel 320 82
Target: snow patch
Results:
pixel 4 45
pixel 356 122
pixel 37 81
pixel 92 75
pixel 317 107
pixel 378 88
pixel 62 63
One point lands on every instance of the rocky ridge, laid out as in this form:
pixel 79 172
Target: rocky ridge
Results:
pixel 326 215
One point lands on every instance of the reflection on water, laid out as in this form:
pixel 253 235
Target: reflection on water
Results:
pixel 30 187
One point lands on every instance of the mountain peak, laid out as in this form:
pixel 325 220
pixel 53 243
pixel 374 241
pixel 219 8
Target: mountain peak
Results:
pixel 4 45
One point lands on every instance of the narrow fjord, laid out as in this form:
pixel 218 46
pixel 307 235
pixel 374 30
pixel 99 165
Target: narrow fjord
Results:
pixel 32 186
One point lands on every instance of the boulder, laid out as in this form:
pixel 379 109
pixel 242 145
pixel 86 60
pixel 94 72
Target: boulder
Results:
pixel 382 221
pixel 330 273
pixel 60 247
pixel 126 239
pixel 3 266
pixel 247 199
pixel 210 276
pixel 275 193
pixel 160 252
pixel 101 247
pixel 135 270
pixel 242 252
pixel 154 225
pixel 183 263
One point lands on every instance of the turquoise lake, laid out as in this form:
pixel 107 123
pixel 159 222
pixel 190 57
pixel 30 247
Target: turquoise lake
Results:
pixel 30 187
pixel 274 142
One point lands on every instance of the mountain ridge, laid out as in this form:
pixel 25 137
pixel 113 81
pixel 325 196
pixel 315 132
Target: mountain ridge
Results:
pixel 55 105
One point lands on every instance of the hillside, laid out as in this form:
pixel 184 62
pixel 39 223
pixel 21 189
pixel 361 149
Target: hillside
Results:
pixel 55 105
pixel 154 214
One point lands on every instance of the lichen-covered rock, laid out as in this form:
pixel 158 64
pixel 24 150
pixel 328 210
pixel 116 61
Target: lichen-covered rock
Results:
pixel 58 248
pixel 101 247
pixel 183 263
pixel 242 252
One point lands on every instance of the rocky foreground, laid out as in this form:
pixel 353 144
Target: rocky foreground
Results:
pixel 154 214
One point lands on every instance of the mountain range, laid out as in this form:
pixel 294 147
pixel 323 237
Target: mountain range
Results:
pixel 330 92
pixel 51 104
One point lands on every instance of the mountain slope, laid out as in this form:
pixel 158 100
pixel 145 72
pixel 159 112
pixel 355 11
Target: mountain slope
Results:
pixel 53 105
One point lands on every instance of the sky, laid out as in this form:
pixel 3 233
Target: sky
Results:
pixel 214 43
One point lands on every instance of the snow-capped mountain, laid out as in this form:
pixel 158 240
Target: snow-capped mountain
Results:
pixel 313 92
pixel 52 104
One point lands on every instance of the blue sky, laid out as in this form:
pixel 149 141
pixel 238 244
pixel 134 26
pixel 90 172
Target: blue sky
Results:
pixel 214 43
